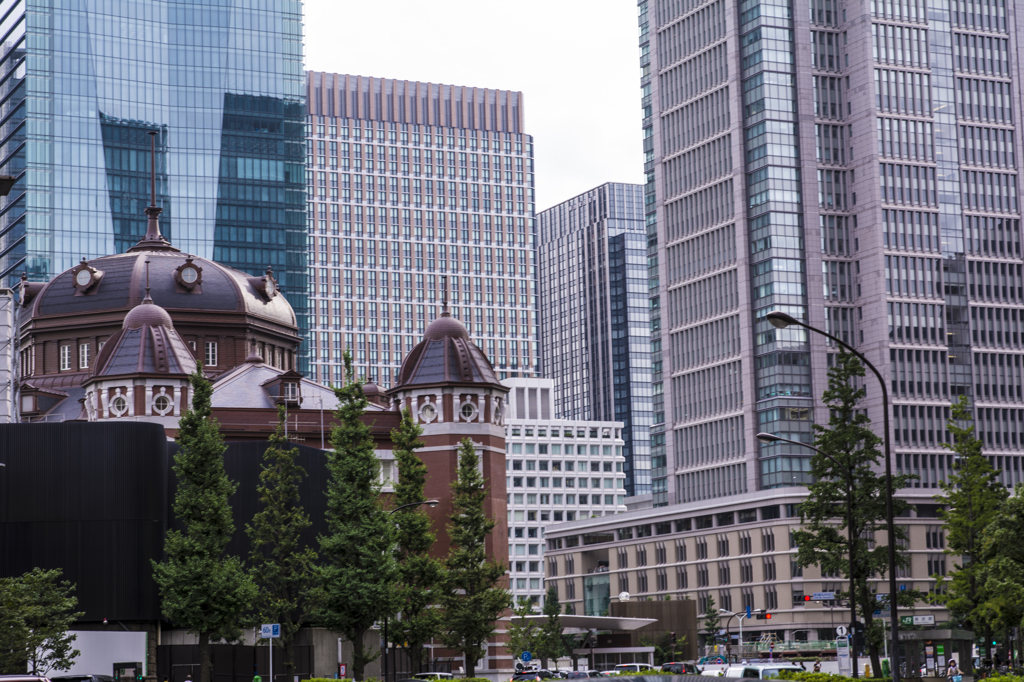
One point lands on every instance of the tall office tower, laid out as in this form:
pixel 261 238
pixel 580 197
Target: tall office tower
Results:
pixel 221 86
pixel 414 189
pixel 595 328
pixel 881 206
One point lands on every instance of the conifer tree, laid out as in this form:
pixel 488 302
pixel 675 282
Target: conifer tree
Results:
pixel 419 572
pixel 282 565
pixel 523 634
pixel 202 588
pixel 973 493
pixel 472 597
pixel 823 541
pixel 550 644
pixel 712 623
pixel 358 571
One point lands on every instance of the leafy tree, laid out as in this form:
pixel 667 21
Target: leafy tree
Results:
pixel 472 597
pixel 201 587
pixel 664 650
pixel 418 572
pixel 973 494
pixel 848 480
pixel 712 623
pixel 36 612
pixel 523 635
pixel 1002 559
pixel 551 644
pixel 283 567
pixel 358 572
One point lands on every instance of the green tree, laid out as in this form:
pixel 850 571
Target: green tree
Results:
pixel 712 623
pixel 523 634
pixel 202 588
pixel 358 569
pixel 973 495
pixel 1002 559
pixel 283 567
pixel 36 612
pixel 823 540
pixel 551 644
pixel 418 572
pixel 472 597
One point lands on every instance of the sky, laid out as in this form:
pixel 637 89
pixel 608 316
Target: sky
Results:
pixel 576 62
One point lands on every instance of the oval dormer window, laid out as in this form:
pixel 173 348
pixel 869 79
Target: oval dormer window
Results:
pixel 119 405
pixel 428 412
pixel 189 275
pixel 83 278
pixel 468 411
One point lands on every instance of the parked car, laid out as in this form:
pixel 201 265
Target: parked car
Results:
pixel 759 671
pixel 433 676
pixel 680 668
pixel 580 674
pixel 534 675
pixel 633 668
pixel 82 678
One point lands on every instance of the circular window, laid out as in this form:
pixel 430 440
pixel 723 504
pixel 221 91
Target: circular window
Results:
pixel 271 287
pixel 428 412
pixel 119 405
pixel 162 404
pixel 468 411
pixel 83 278
pixel 189 275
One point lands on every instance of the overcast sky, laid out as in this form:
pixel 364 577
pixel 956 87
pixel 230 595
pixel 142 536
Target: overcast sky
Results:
pixel 576 61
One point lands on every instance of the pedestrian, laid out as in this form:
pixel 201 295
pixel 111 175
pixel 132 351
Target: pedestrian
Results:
pixel 953 672
pixel 817 665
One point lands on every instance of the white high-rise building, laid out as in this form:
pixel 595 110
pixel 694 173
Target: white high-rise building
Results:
pixel 557 470
pixel 8 357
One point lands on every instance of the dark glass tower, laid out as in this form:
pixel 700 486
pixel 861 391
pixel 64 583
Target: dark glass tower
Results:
pixel 84 83
pixel 594 318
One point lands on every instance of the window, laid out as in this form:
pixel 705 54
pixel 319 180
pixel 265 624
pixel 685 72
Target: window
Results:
pixel 771 598
pixel 702 575
pixel 211 354
pixel 662 576
pixel 768 542
pixel 745 544
pixel 723 545
pixel 119 405
pixel 748 598
pixel 641 555
pixel 935 539
pixel 660 553
pixel 680 550
pixel 291 390
pixel 623 582
pixel 641 581
pixel 725 599
pixel 724 573
pixel 65 358
pixel 570 589
pixel 623 558
pixel 702 548
pixel 682 579
pixel 769 570
pixel 83 356
pixel 795 569
pixel 936 564
pixel 746 571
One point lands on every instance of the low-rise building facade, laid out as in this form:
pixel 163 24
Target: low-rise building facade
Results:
pixel 739 551
pixel 557 470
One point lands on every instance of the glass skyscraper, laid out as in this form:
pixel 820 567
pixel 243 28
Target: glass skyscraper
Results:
pixel 413 187
pixel 218 81
pixel 595 326
pixel 882 206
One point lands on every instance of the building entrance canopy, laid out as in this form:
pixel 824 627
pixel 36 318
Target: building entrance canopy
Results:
pixel 572 623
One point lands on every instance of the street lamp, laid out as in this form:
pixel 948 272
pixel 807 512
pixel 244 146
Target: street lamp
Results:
pixel 781 320
pixel 384 662
pixel 739 617
pixel 768 439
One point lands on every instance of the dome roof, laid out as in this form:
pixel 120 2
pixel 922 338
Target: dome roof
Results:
pixel 445 355
pixel 122 278
pixel 148 314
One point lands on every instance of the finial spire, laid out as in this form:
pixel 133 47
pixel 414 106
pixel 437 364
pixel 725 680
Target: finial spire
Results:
pixel 153 240
pixel 444 297
pixel 147 299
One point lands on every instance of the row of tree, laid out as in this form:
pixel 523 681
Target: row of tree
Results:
pixel 373 564
pixel 983 524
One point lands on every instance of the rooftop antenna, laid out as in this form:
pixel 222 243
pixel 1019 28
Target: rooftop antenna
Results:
pixel 444 297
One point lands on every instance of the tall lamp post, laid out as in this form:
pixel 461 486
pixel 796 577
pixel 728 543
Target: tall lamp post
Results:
pixel 384 661
pixel 769 438
pixel 739 617
pixel 781 320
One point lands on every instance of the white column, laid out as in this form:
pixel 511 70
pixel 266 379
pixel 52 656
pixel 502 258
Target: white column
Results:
pixel 149 400
pixel 131 400
pixel 105 400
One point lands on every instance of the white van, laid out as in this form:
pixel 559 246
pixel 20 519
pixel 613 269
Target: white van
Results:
pixel 759 671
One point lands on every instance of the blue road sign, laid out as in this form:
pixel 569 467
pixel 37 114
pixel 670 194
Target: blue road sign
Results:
pixel 748 612
pixel 527 656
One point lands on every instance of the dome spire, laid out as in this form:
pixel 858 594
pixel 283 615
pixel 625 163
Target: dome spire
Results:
pixel 153 240
pixel 444 296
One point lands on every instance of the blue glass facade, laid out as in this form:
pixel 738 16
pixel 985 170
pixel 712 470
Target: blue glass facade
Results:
pixel 595 336
pixel 86 80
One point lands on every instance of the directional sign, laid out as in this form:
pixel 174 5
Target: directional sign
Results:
pixel 823 596
pixel 841 631
pixel 270 630
pixel 917 620
pixel 527 656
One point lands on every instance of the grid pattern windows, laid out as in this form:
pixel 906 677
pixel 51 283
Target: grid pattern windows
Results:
pixel 698 120
pixel 1002 327
pixel 918 373
pixel 714 441
pixel 707 392
pixel 698 211
pixel 706 343
pixel 694 76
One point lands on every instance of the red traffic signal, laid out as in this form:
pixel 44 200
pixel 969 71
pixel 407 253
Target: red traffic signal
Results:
pixel 768 616
pixel 807 597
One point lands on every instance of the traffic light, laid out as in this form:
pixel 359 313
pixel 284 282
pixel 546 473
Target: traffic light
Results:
pixel 673 638
pixel 807 597
pixel 768 616
pixel 764 616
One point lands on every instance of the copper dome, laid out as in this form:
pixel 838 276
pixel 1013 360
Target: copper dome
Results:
pixel 147 314
pixel 446 355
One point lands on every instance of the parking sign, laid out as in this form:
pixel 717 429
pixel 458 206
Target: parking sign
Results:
pixel 270 630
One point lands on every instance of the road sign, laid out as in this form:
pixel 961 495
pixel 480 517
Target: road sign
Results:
pixel 270 630
pixel 841 631
pixel 823 596
pixel 748 611
pixel 527 656
pixel 918 620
